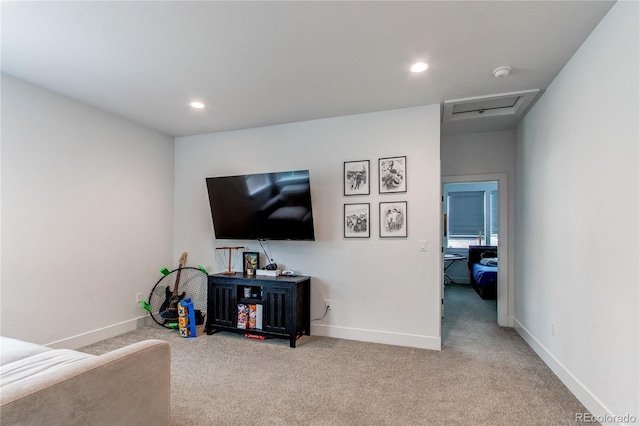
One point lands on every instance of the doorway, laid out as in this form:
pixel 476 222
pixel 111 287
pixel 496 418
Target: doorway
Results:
pixel 493 231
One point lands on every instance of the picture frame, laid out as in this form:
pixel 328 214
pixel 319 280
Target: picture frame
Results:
pixel 392 174
pixel 356 178
pixel 393 219
pixel 250 261
pixel 357 220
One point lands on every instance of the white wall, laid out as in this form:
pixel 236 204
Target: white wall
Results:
pixel 87 216
pixel 478 153
pixel 381 290
pixel 577 219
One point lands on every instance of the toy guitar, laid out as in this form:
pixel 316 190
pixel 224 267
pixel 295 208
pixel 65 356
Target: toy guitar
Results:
pixel 169 308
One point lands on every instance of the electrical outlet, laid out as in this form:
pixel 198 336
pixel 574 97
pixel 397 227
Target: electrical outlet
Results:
pixel 328 303
pixel 553 328
pixel 138 297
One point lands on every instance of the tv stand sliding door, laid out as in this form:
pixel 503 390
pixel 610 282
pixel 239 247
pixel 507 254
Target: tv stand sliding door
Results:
pixel 271 307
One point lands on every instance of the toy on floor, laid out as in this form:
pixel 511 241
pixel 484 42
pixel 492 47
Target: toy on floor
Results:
pixel 186 318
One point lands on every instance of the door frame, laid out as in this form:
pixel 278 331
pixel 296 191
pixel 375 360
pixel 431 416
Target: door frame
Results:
pixel 503 299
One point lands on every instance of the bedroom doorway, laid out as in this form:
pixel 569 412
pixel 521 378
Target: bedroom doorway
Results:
pixel 480 202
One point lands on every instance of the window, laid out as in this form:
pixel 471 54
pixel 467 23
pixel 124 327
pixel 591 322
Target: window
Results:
pixel 472 214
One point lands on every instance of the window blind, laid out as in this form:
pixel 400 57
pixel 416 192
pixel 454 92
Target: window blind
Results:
pixel 465 213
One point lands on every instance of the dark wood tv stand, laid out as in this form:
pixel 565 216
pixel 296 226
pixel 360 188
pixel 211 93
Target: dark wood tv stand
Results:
pixel 285 305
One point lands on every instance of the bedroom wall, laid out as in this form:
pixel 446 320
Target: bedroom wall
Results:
pixel 381 290
pixel 87 212
pixel 577 220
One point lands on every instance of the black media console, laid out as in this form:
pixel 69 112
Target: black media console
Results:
pixel 259 306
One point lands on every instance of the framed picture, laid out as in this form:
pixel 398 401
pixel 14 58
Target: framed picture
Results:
pixel 250 262
pixel 393 174
pixel 356 220
pixel 393 219
pixel 356 177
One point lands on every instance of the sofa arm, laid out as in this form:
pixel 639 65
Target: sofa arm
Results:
pixel 127 386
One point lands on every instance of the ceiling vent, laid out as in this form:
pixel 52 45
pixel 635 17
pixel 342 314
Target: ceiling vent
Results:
pixel 507 104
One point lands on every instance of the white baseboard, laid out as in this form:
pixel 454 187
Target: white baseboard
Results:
pixel 373 336
pixel 579 390
pixel 94 336
pixel 510 321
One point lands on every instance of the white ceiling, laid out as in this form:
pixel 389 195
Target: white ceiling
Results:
pixel 264 63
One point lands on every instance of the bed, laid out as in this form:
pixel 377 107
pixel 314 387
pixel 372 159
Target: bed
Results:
pixel 483 270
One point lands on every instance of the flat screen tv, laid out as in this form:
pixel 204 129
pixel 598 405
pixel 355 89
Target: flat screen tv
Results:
pixel 269 206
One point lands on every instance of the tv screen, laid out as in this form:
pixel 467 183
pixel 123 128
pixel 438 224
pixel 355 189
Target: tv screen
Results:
pixel 270 206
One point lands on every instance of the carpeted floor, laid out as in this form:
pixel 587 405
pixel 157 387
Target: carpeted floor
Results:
pixel 484 374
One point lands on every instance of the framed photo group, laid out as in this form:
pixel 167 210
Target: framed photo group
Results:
pixel 392 215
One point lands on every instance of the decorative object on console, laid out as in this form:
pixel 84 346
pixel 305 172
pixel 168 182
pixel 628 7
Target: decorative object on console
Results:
pixel 393 219
pixel 271 265
pixel 229 258
pixel 356 177
pixel 357 220
pixel 392 173
pixel 251 262
pixel 268 272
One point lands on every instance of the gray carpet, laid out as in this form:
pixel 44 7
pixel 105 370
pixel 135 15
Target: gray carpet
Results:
pixel 484 374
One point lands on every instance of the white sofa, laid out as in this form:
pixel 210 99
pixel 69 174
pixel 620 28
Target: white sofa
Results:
pixel 44 386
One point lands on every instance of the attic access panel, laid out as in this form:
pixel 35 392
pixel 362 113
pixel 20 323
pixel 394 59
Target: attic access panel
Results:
pixel 506 104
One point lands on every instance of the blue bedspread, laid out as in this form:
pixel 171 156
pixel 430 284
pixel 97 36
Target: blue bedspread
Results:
pixel 485 275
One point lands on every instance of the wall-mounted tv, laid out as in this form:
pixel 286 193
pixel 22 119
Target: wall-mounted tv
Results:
pixel 269 206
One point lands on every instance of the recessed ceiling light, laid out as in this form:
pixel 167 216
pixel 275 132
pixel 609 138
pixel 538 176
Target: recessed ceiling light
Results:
pixel 419 67
pixel 197 105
